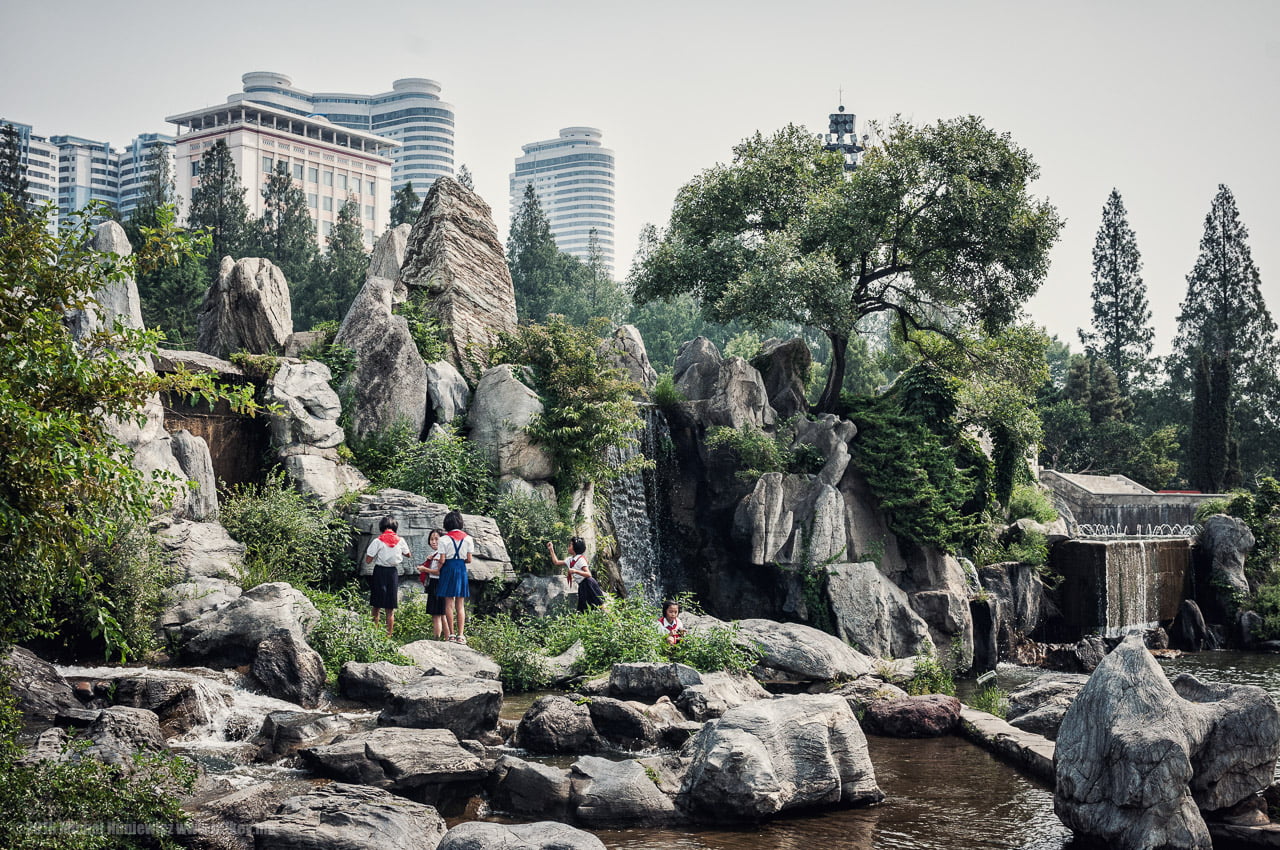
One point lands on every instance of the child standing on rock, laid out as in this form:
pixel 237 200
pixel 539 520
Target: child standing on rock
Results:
pixel 385 553
pixel 429 574
pixel 590 594
pixel 455 547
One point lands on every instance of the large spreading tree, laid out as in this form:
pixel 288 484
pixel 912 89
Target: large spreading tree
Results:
pixel 218 206
pixel 1225 355
pixel 935 227
pixel 1122 331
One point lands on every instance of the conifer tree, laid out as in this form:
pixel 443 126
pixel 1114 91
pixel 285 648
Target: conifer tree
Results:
pixel 1122 332
pixel 539 271
pixel 465 178
pixel 405 205
pixel 218 205
pixel 286 231
pixel 13 176
pixel 342 272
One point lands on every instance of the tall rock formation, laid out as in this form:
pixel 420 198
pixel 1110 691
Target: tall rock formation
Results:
pixel 454 255
pixel 246 309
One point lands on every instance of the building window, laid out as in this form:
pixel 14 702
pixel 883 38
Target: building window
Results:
pixel 368 212
pixel 195 168
pixel 371 187
pixel 342 182
pixel 311 199
pixel 328 178
pixel 267 164
pixel 326 227
pixel 328 204
pixel 313 175
pixel 297 171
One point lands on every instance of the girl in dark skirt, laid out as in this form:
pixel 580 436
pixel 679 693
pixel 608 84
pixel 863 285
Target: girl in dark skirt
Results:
pixel 430 574
pixel 456 547
pixel 385 553
pixel 590 594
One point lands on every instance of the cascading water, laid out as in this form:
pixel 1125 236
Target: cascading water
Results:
pixel 1129 577
pixel 1111 586
pixel 636 499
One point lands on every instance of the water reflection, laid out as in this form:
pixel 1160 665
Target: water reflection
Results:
pixel 942 793
pixel 1229 667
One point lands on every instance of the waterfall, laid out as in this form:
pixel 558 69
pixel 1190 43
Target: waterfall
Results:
pixel 634 504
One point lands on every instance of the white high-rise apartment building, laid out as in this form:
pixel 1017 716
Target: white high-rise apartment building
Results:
pixel 411 114
pixel 573 178
pixel 331 163
pixel 39 159
pixel 137 165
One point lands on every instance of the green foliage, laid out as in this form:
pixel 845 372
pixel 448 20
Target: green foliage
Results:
pixel 340 359
pixel 757 452
pixel 665 394
pixel 287 535
pixel 931 677
pixel 1032 548
pixel 68 484
pixel 711 648
pixel 445 468
pixel 218 206
pixel 405 205
pixel 514 648
pixel 336 277
pixel 78 799
pixel 934 228
pixel 286 233
pixel 527 523
pixel 992 699
pixel 424 326
pixel 1029 500
pixel 589 405
pixel 618 633
pixel 261 366
pixel 341 634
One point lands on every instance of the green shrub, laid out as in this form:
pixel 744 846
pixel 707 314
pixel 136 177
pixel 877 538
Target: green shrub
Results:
pixel 514 648
pixel 711 648
pixel 527 523
pixel 621 632
pixel 343 635
pixel 1209 507
pixel 134 575
pixel 665 394
pixel 288 536
pixel 1032 549
pixel 992 699
pixel 758 453
pixel 931 677
pixel 1029 500
pixel 425 328
pixel 340 359
pixel 446 468
pixel 80 796
pixel 412 620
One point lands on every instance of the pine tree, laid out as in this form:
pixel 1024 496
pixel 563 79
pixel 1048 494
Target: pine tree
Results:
pixel 405 205
pixel 342 272
pixel 286 231
pixel 218 205
pixel 13 176
pixel 539 271
pixel 464 177
pixel 1122 332
pixel 1224 323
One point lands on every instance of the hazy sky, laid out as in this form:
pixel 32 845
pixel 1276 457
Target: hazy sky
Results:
pixel 1161 100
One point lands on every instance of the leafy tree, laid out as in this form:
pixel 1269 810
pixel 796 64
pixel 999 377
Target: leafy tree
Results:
pixel 1122 331
pixel 405 205
pixel 341 273
pixel 540 272
pixel 171 294
pixel 588 290
pixel 66 484
pixel 218 205
pixel 1225 353
pixel 935 228
pixel 286 231
pixel 465 178
pixel 13 176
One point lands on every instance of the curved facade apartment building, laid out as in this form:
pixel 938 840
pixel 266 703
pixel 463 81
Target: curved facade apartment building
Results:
pixel 573 176
pixel 411 114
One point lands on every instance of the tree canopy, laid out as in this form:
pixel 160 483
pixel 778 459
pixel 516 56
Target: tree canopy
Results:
pixel 218 205
pixel 1122 331
pixel 935 227
pixel 405 205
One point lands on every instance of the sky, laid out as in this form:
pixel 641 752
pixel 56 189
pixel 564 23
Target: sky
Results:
pixel 1162 101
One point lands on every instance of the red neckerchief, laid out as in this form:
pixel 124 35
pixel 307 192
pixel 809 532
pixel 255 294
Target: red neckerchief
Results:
pixel 389 537
pixel 457 534
pixel 675 624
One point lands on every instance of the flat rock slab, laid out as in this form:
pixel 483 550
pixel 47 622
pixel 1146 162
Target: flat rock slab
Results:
pixel 544 835
pixel 440 658
pixel 796 653
pixel 467 707
pixel 926 716
pixel 350 817
pixel 1029 751
pixel 396 759
pixel 608 792
pixel 372 683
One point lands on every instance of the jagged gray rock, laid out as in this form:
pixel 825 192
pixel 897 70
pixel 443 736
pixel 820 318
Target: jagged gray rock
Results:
pixel 399 760
pixel 500 411
pixel 616 793
pixel 1040 705
pixel 541 596
pixel 792 652
pixel 647 681
pixel 721 391
pixel 1137 759
pixel 438 658
pixel 41 693
pixel 874 614
pixel 230 635
pixel 467 707
pixel 372 683
pixel 784 365
pixel 289 669
pixel 187 600
pixel 305 431
pixel 528 787
pixel 343 817
pixel 284 732
pixel 180 701
pixel 454 255
pixel 768 757
pixel 246 309
pixel 119 732
pixel 625 349
pixel 192 454
pixel 1229 542
pixel 786 519
pixel 448 395
pixel 556 724
pixel 623 724
pixel 388 386
pixel 388 256
pixel 202 550
pixel 543 835
pixel 717 693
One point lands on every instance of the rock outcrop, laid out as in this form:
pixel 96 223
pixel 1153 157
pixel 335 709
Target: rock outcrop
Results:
pixel 399 760
pixel 455 257
pixel 1138 758
pixel 874 614
pixel 349 816
pixel 543 835
pixel 625 349
pixel 202 550
pixel 465 706
pixel 192 454
pixel 448 396
pixel 784 365
pixel 790 652
pixel 246 309
pixel 723 391
pixel 1228 541
pixel 230 635
pixel 306 433
pixel 500 411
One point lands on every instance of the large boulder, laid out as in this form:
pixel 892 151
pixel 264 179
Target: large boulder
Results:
pixel 417 517
pixel 874 614
pixel 289 669
pixel 556 724
pixel 283 733
pixel 180 701
pixel 784 365
pixel 624 348
pixel 120 732
pixel 346 817
pixel 500 413
pixel 1228 542
pixel 230 635
pixel 388 256
pixel 1138 758
pixel 41 693
pixel 399 760
pixel 465 706
pixel 721 391
pixel 201 550
pixel 439 658
pixel 306 433
pixel 388 386
pixel 830 436
pixel 527 787
pixel 623 724
pixel 925 716
pixel 187 600
pixel 455 257
pixel 647 681
pixel 246 309
pixel 1040 705
pixel 543 835
pixel 774 756
pixel 372 683
pixel 617 793
pixel 192 454
pixel 789 519
pixel 717 693
pixel 448 396
pixel 790 652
